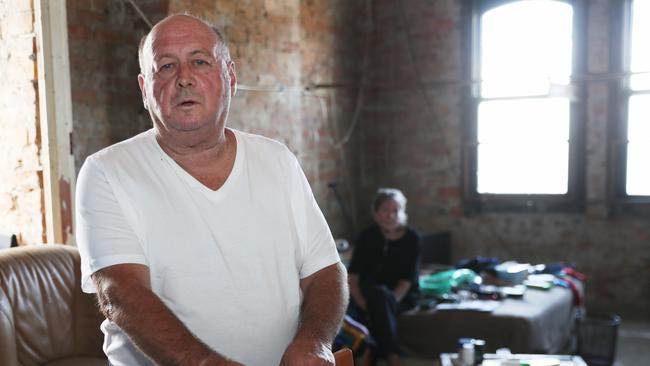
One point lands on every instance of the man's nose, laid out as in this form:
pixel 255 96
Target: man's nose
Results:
pixel 185 77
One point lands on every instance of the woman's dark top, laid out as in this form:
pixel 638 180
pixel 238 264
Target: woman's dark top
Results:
pixel 380 261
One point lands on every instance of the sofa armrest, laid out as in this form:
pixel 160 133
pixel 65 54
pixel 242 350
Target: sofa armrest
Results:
pixel 8 356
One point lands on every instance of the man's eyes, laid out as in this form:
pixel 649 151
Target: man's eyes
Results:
pixel 166 67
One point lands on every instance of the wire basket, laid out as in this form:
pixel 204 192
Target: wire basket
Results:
pixel 597 337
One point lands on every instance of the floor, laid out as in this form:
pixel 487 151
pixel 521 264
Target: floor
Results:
pixel 633 347
pixel 633 344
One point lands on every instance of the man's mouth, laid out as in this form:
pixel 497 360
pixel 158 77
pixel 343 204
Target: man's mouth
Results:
pixel 187 103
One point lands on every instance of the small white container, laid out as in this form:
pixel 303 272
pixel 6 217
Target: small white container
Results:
pixel 466 355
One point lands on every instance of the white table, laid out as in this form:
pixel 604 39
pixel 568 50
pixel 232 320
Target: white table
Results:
pixel 491 359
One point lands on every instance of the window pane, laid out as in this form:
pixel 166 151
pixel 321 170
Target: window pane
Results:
pixel 638 148
pixel 525 47
pixel 523 168
pixel 640 52
pixel 638 174
pixel 640 81
pixel 538 119
pixel 638 122
pixel 523 146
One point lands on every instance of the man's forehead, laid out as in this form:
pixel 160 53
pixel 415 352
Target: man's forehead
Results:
pixel 183 43
pixel 169 44
pixel 182 26
pixel 183 35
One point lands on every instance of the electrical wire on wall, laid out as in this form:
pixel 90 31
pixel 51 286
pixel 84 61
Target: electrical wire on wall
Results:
pixel 423 89
pixel 340 144
pixel 364 78
pixel 142 15
pixel 414 61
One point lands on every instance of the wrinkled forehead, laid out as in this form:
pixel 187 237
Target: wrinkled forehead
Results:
pixel 178 33
pixel 182 31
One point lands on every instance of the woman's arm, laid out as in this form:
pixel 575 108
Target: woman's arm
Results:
pixel 409 266
pixel 355 291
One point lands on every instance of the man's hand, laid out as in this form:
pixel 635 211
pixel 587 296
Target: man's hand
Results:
pixel 325 298
pixel 307 353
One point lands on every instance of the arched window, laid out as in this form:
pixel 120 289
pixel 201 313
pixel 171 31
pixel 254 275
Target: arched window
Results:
pixel 524 129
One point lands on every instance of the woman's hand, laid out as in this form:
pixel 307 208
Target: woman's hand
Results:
pixel 401 290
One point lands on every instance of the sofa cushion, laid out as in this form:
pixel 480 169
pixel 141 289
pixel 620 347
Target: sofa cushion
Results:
pixel 43 313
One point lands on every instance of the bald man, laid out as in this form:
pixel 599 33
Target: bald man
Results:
pixel 204 244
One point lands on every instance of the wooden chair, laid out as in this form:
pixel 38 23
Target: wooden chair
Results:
pixel 343 357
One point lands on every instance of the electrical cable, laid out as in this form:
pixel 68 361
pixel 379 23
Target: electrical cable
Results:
pixel 364 76
pixel 411 51
pixel 144 17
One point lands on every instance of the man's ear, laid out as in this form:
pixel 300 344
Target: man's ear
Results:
pixel 233 78
pixel 143 91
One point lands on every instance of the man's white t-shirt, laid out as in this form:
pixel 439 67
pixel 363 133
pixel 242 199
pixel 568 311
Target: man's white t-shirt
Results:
pixel 228 262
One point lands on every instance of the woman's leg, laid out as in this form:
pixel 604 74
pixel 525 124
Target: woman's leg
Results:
pixel 382 311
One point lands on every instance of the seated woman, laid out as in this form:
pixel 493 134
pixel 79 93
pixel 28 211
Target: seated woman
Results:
pixel 383 272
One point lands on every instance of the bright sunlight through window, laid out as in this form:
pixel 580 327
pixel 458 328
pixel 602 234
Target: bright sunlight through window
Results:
pixel 638 123
pixel 524 110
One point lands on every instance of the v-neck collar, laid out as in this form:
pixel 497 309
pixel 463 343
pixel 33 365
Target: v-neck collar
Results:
pixel 195 184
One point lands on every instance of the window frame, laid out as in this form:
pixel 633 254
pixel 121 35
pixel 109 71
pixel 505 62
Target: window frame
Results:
pixel 574 199
pixel 620 94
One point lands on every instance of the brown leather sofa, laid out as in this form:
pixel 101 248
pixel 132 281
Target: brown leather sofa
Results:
pixel 45 319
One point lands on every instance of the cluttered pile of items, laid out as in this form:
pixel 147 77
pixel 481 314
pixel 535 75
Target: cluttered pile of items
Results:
pixel 479 283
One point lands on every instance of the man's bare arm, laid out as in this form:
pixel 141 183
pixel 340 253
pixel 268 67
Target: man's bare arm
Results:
pixel 125 298
pixel 325 298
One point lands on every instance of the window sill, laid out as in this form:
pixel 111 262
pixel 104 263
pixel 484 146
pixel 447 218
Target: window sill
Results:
pixel 523 204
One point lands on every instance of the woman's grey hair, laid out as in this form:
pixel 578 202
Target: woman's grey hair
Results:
pixel 385 194
pixel 220 48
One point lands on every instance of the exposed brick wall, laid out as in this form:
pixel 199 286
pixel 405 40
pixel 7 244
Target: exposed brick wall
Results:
pixel 332 46
pixel 103 37
pixel 21 184
pixel 413 140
